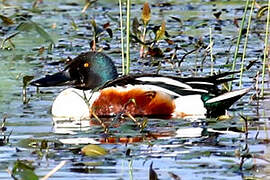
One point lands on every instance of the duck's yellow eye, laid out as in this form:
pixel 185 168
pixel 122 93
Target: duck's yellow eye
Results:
pixel 86 65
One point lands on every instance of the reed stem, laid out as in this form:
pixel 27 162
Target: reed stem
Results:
pixel 122 38
pixel 265 53
pixel 238 41
pixel 127 39
pixel 245 44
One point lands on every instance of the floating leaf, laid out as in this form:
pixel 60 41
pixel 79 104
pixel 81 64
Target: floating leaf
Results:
pixel 36 143
pixel 146 13
pixel 94 150
pixel 160 34
pixel 90 163
pixel 224 117
pixel 6 20
pixel 23 170
pixel 261 11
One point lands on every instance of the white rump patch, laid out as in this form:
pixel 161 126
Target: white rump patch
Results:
pixel 228 95
pixel 191 105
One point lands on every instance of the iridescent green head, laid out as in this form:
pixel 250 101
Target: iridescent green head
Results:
pixel 87 71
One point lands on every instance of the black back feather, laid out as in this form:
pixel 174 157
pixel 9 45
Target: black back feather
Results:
pixel 198 85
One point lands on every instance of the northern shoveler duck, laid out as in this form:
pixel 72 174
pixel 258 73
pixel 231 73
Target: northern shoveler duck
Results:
pixel 98 89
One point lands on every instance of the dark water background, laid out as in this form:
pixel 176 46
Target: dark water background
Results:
pixel 194 155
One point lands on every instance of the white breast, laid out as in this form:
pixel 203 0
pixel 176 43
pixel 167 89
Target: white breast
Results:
pixel 73 104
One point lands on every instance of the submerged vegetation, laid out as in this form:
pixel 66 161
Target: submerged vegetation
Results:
pixel 35 38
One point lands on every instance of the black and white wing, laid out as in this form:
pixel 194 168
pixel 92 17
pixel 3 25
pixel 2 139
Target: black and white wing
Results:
pixel 174 85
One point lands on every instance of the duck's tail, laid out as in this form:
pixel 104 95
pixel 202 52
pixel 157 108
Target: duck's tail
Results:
pixel 216 106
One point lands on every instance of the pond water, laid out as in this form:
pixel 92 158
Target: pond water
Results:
pixel 197 149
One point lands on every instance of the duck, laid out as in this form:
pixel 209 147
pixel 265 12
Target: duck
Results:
pixel 94 87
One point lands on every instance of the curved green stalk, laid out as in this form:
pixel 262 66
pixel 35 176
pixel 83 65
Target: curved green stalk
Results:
pixel 122 37
pixel 238 41
pixel 245 44
pixel 128 42
pixel 265 53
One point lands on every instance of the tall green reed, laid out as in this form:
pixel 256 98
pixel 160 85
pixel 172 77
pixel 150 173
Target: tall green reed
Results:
pixel 238 41
pixel 245 43
pixel 128 38
pixel 125 61
pixel 265 53
pixel 122 38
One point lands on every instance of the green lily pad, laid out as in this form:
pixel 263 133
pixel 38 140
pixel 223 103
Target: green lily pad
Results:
pixel 24 170
pixel 94 150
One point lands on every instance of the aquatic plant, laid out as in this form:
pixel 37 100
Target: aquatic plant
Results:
pixel 265 52
pixel 98 33
pixel 122 38
pixel 125 61
pixel 128 38
pixel 240 33
pixel 146 16
pixel 148 45
pixel 245 44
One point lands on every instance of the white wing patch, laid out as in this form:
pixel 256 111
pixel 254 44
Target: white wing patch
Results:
pixel 173 82
pixel 200 82
pixel 165 80
pixel 197 90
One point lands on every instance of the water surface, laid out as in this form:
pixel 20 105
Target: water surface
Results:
pixel 193 150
